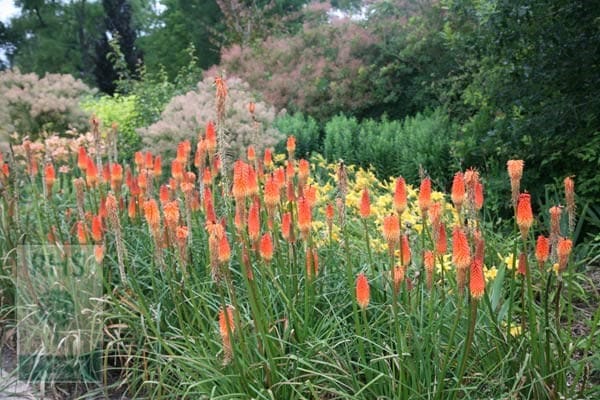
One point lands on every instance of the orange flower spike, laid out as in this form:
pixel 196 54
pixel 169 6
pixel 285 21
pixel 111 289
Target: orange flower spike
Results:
pixel 142 180
pixel 210 137
pixel 177 170
pixel 280 177
pixel 429 262
pixel 152 214
pixel 252 181
pixel 291 146
pixel 400 197
pixel 329 213
pixel 303 170
pixel 148 160
pixel 82 158
pixel 315 261
pixel 266 247
pixel 226 322
pixel 163 194
pixel 138 159
pixel 286 226
pixel 363 295
pixel 131 209
pixel 271 193
pixel 157 169
pixel 91 173
pixel 391 229
pixel 477 279
pixel 406 254
pixel 209 208
pixel 5 171
pixel 458 190
pixel 116 177
pixel 251 153
pixel 254 221
pixel 290 171
pixel 365 204
pixel 268 158
pixel 240 181
pixel 563 250
pixel 435 214
pixel 49 176
pixel 171 211
pixel 524 214
pixel 97 228
pixel 81 235
pixel 478 196
pixel 542 250
pixel 99 253
pixel 224 249
pixel 181 153
pixel 461 254
pixel 304 217
pixel 425 195
pixel 398 274
pixel 522 264
pixel 310 194
pixel 555 213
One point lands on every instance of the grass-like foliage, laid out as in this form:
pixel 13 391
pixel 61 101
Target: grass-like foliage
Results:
pixel 290 279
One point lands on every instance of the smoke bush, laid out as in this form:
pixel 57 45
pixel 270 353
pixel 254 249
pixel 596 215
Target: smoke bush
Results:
pixel 30 104
pixel 187 115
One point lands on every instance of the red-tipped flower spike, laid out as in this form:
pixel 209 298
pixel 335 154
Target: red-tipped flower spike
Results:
pixel 138 159
pixel 524 214
pixel 478 196
pixel 266 247
pixel 163 194
pixel 148 160
pixel 206 177
pixel 224 249
pixel 477 279
pixel 210 137
pixel 329 213
pixel 458 190
pixel 97 228
pixel 425 195
pixel 286 226
pixel 49 176
pixel 563 250
pixel 405 253
pixel 252 181
pixel 441 244
pixel 131 208
pixel 254 221
pixel 251 153
pixel 365 204
pixel 82 158
pixel 304 217
pixel 362 291
pixel 542 250
pixel 400 198
pixel 461 254
pixel 91 173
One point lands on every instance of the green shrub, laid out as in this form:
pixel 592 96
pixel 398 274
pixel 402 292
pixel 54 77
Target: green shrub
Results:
pixel 122 111
pixel 304 128
pixel 393 147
